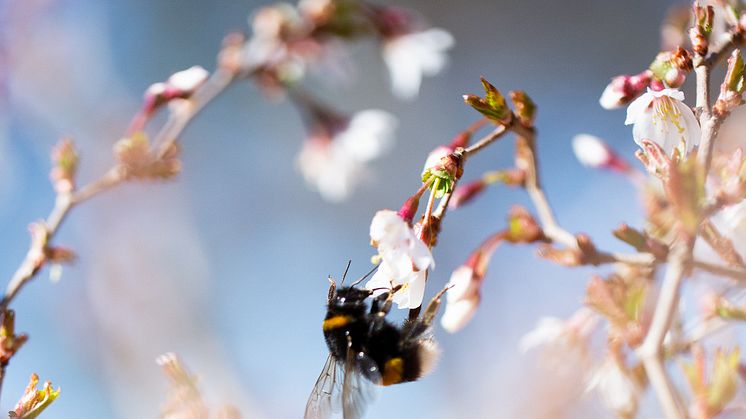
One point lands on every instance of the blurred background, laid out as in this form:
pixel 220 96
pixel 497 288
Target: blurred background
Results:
pixel 227 265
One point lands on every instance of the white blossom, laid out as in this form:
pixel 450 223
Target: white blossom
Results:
pixel 398 245
pixel 462 299
pixel 404 259
pixel 618 390
pixel 412 283
pixel 336 166
pixel 413 55
pixel 662 117
pixel 591 151
pixel 369 134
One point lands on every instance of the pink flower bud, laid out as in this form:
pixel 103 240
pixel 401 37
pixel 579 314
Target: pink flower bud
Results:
pixel 464 193
pixel 462 299
pixel 623 89
pixel 187 81
pixel 593 152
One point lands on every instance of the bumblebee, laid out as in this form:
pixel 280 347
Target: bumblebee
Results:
pixel 366 350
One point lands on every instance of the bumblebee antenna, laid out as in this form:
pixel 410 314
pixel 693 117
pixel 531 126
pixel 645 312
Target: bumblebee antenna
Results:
pixel 344 275
pixel 366 275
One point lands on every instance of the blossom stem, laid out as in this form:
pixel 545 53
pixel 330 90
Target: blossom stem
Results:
pixel 651 349
pixel 431 201
pixel 734 273
pixel 173 127
pixel 168 134
pixel 486 140
pixel 179 118
pixel 710 122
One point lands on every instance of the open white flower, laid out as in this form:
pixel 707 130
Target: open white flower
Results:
pixel 335 166
pixel 369 134
pixel 328 168
pixel 404 259
pixel 462 299
pixel 412 283
pixel 398 245
pixel 618 390
pixel 662 117
pixel 413 55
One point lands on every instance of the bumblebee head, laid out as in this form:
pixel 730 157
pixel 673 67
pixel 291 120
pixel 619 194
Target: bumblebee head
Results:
pixel 347 297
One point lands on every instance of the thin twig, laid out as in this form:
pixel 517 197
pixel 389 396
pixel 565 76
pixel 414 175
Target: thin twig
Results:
pixel 177 121
pixel 651 349
pixel 183 115
pixel 485 141
pixel 737 274
pixel 680 255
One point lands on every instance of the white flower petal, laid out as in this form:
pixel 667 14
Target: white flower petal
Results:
pixel 457 314
pixel 411 295
pixel 369 134
pixel 668 122
pixel 383 224
pixel 411 56
pixel 675 94
pixel 420 254
pixel 638 107
pixel 691 125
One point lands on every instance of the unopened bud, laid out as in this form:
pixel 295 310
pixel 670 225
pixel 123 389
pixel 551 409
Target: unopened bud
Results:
pixel 593 152
pixel 10 343
pixel 525 108
pixel 465 193
pixel 64 166
pixel 409 209
pixel 187 81
pixel 523 227
pixel 624 89
pixel 493 106
pixel 733 85
pixel 445 173
pixel 700 45
pixel 34 401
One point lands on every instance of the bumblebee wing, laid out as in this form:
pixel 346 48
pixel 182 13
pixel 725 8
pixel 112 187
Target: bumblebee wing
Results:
pixel 325 396
pixel 359 384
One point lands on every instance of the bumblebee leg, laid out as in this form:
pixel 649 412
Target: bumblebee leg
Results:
pixel 381 307
pixel 432 307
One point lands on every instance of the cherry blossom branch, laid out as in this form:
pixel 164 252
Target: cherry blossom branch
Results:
pixel 178 119
pixel 710 121
pixel 680 255
pixel 733 273
pixel 184 112
pixel 651 350
pixel 485 141
pixel 550 226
